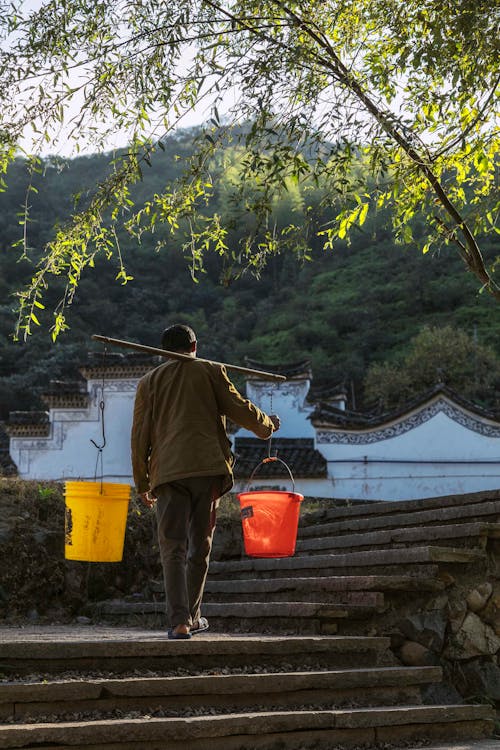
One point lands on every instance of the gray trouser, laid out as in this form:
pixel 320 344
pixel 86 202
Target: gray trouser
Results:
pixel 186 512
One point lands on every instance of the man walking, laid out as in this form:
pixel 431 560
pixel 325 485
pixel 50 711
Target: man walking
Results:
pixel 182 460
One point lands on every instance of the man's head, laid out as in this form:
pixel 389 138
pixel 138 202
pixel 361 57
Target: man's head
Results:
pixel 179 338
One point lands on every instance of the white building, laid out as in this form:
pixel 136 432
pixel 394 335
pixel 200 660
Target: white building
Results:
pixel 438 445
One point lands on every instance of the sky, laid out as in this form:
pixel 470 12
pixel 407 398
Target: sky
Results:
pixel 65 147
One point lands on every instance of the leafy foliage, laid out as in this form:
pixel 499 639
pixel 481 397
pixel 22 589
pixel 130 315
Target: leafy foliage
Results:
pixel 343 310
pixel 437 355
pixel 323 93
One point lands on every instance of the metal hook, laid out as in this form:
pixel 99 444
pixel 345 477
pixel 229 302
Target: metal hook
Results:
pixel 101 409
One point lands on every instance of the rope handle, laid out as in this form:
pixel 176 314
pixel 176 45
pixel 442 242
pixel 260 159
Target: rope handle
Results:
pixel 272 459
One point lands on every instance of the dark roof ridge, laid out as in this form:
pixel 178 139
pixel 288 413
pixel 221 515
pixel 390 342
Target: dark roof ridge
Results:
pixel 324 392
pixel 303 460
pixel 277 442
pixel 66 386
pixel 100 359
pixel 359 420
pixel 290 369
pixel 28 417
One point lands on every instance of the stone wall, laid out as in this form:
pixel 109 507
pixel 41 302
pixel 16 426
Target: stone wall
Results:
pixel 460 631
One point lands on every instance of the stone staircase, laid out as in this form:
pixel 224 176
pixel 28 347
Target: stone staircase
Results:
pixel 311 651
pixel 359 568
pixel 356 568
pixel 126 689
pixel 263 608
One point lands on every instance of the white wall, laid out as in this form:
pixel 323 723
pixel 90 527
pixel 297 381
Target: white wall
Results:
pixel 437 450
pixel 288 400
pixel 68 453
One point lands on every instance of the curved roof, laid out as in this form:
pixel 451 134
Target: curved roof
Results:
pixel 325 415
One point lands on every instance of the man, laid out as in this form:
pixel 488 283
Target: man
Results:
pixel 182 460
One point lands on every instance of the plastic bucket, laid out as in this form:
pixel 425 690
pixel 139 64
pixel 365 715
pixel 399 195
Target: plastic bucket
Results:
pixel 96 517
pixel 269 520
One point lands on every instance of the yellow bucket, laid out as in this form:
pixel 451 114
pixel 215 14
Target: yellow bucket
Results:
pixel 95 521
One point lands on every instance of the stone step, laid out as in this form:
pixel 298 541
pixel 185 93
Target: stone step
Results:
pixel 246 608
pixel 356 563
pixel 359 687
pixel 290 610
pixel 488 511
pixel 120 651
pixel 289 618
pixel 376 508
pixel 470 534
pixel 483 744
pixel 325 589
pixel 296 590
pixel 261 730
pixel 327 586
pixel 252 616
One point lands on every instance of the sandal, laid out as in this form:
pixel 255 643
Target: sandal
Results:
pixel 173 636
pixel 200 626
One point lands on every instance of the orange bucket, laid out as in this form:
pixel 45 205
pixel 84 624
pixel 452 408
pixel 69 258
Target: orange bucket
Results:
pixel 270 519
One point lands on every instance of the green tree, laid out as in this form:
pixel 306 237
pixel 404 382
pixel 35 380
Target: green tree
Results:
pixel 326 92
pixel 436 355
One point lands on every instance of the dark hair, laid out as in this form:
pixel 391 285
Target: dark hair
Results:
pixel 178 338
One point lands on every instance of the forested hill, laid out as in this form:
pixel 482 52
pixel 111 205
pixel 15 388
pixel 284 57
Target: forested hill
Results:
pixel 345 309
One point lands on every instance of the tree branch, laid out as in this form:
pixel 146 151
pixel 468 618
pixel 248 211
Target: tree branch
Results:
pixel 474 257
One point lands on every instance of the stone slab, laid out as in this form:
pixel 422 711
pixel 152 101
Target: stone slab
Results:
pixel 289 610
pixel 320 739
pixel 368 559
pixel 407 715
pixel 75 643
pixel 439 731
pixel 426 517
pixel 247 609
pixel 484 744
pixel 326 584
pixel 376 508
pixel 70 691
pixel 296 590
pixel 408 535
pixel 249 724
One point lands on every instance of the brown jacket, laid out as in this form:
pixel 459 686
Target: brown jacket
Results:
pixel 179 425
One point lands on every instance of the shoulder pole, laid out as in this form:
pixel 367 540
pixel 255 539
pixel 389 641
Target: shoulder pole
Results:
pixel 178 355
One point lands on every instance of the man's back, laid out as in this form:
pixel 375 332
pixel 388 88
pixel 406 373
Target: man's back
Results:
pixel 179 422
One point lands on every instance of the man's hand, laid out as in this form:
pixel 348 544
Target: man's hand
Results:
pixel 147 498
pixel 276 421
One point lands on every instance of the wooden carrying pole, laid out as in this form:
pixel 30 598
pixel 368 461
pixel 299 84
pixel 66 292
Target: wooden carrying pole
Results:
pixel 178 355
